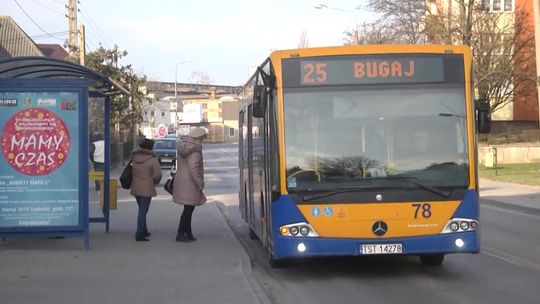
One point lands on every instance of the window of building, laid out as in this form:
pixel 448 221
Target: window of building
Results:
pixel 498 5
pixel 162 114
pixel 231 132
pixel 204 106
pixel 152 113
pixel 508 5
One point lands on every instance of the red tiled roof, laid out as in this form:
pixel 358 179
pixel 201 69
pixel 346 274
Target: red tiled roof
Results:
pixel 54 51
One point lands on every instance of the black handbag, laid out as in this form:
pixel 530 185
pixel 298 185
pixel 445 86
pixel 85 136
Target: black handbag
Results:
pixel 127 176
pixel 169 185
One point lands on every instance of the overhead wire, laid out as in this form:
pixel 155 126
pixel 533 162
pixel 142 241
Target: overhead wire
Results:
pixel 92 23
pixel 47 7
pixel 33 37
pixel 35 23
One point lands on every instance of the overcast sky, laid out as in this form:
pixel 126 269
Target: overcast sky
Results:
pixel 222 38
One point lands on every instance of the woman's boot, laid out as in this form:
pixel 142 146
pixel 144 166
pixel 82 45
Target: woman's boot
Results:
pixel 183 237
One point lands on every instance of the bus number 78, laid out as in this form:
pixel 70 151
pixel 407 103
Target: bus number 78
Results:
pixel 425 208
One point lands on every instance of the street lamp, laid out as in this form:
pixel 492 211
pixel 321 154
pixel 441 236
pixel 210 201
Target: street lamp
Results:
pixel 176 90
pixel 355 33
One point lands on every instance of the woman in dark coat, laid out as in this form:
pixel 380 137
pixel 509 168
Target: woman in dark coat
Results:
pixel 189 181
pixel 146 175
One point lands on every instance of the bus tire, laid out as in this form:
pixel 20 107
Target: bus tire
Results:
pixel 252 234
pixel 276 263
pixel 432 259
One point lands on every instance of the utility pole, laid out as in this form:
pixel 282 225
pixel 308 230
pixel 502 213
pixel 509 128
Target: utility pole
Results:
pixel 82 39
pixel 72 28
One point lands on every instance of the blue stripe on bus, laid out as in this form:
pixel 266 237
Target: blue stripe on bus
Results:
pixel 468 207
pixel 285 211
pixel 286 247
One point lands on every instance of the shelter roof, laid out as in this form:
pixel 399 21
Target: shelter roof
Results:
pixel 42 67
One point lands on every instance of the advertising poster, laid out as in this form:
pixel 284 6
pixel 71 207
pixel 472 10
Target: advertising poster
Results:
pixel 39 165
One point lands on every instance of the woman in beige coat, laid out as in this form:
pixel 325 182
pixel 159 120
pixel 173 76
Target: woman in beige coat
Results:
pixel 189 181
pixel 146 175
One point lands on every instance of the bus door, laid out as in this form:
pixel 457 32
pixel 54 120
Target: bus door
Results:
pixel 258 174
pixel 242 164
pixel 248 182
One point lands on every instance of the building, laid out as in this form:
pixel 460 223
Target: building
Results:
pixel 526 102
pixel 14 42
pixel 213 107
pixel 218 115
pixel 514 20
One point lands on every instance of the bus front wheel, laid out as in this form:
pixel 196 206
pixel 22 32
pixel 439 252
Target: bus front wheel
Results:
pixel 252 234
pixel 276 263
pixel 432 259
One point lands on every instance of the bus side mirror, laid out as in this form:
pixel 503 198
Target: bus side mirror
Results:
pixel 483 116
pixel 259 101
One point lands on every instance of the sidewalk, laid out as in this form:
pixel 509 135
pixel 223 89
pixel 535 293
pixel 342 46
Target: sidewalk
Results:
pixel 116 269
pixel 509 195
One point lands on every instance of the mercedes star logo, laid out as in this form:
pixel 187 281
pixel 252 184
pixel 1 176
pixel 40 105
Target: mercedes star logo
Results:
pixel 379 228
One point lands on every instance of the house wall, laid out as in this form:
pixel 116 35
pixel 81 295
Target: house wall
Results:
pixel 526 100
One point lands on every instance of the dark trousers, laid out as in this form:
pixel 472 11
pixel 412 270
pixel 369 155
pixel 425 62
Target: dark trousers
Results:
pixel 98 167
pixel 185 219
pixel 144 205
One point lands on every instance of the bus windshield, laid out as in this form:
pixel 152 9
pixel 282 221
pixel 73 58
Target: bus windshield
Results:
pixel 342 136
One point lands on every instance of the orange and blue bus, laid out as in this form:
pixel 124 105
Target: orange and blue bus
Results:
pixel 362 150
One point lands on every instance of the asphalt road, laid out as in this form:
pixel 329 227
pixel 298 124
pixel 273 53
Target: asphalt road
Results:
pixel 506 271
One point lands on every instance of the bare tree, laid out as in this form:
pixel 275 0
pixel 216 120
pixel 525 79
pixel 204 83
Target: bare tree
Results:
pixel 402 20
pixel 502 46
pixel 369 33
pixel 304 41
pixel 199 78
pixel 502 43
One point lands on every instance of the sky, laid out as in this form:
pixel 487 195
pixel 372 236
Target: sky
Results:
pixel 224 39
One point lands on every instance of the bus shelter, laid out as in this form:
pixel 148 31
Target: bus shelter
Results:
pixel 44 137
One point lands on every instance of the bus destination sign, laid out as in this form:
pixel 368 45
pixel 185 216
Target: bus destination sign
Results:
pixel 371 69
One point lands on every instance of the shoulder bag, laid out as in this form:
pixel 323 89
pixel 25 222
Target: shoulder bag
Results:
pixel 168 186
pixel 127 176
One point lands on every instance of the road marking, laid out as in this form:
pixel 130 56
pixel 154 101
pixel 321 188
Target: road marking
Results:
pixel 212 179
pixel 509 210
pixel 512 259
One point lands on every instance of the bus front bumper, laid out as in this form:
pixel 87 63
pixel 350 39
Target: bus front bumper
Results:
pixel 297 247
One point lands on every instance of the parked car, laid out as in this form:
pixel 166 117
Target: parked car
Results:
pixel 165 149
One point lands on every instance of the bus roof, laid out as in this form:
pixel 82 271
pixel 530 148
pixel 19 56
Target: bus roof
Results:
pixel 369 49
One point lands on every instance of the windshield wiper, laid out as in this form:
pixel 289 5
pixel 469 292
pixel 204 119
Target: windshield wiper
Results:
pixel 307 197
pixel 408 179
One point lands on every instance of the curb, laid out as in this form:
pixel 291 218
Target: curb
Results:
pixel 245 262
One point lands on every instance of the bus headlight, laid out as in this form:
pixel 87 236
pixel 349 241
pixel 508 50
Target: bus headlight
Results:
pixel 459 243
pixel 460 225
pixel 298 230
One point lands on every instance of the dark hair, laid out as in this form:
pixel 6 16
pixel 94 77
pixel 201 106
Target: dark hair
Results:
pixel 97 136
pixel 146 143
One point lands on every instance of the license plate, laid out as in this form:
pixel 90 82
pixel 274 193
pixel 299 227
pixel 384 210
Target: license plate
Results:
pixel 166 160
pixel 382 249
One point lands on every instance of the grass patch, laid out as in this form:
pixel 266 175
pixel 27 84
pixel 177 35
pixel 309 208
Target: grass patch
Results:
pixel 526 174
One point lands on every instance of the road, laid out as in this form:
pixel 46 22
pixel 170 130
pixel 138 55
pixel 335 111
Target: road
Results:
pixel 506 271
